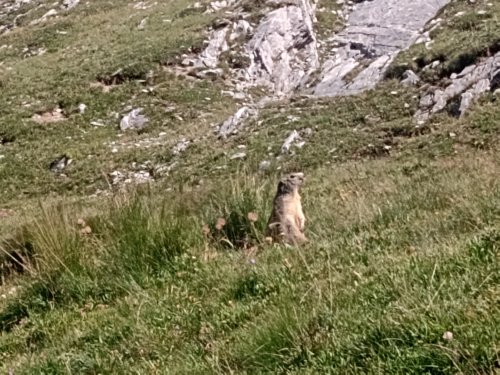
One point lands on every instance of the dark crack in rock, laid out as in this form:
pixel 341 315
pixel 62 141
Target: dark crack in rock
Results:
pixel 283 50
pixel 377 31
pixel 469 84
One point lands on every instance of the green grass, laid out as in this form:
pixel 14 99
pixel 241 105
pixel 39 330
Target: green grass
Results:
pixel 397 258
pixel 403 221
pixel 98 42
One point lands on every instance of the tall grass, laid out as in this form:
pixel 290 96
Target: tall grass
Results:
pixel 395 261
pixel 130 243
pixel 243 204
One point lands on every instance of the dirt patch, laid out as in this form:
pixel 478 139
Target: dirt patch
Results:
pixel 122 76
pixel 99 85
pixel 49 117
pixel 4 213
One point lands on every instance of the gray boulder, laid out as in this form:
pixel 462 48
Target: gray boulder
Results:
pixel 234 123
pixel 376 32
pixel 134 120
pixel 410 78
pixel 470 83
pixel 283 50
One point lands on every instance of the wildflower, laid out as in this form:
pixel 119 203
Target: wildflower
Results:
pixel 220 223
pixel 253 217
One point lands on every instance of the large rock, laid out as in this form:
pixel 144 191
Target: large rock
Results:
pixel 216 45
pixel 410 78
pixel 69 4
pixel 283 51
pixel 133 120
pixel 234 123
pixel 377 31
pixel 473 81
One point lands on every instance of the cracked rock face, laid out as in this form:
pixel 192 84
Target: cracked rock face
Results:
pixel 469 84
pixel 217 44
pixel 235 122
pixel 23 9
pixel 377 31
pixel 283 50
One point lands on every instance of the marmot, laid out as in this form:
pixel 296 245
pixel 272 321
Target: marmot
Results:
pixel 287 218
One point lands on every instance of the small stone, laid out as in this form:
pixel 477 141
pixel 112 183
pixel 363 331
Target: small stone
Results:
pixel 133 120
pixel 448 336
pixel 142 24
pixel 81 108
pixel 181 146
pixel 217 44
pixel 239 96
pixel 307 132
pixel 264 165
pixel 410 78
pixel 292 139
pixel 60 164
pixel 236 122
pixel 68 4
pixel 239 155
pixel 210 73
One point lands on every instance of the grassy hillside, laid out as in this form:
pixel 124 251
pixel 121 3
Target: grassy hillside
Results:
pixel 401 275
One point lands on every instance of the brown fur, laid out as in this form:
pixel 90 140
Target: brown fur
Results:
pixel 287 220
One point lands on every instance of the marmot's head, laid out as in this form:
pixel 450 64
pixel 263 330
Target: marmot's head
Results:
pixel 290 182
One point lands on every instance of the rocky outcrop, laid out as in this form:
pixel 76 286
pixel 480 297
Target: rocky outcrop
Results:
pixel 377 31
pixel 133 120
pixel 216 45
pixel 234 123
pixel 282 54
pixel 69 4
pixel 283 50
pixel 466 86
pixel 410 78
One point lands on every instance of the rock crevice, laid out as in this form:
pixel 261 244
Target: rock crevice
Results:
pixel 377 30
pixel 473 81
